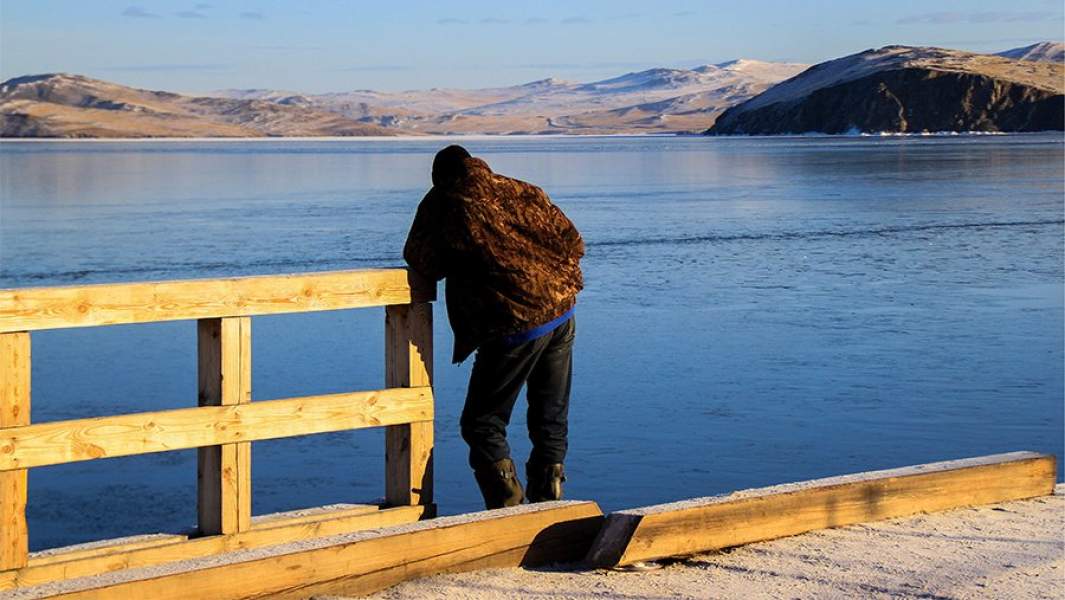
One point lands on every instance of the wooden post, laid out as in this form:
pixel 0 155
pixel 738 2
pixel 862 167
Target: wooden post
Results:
pixel 14 410
pixel 224 472
pixel 409 363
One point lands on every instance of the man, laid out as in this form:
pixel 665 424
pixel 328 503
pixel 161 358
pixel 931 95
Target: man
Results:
pixel 511 259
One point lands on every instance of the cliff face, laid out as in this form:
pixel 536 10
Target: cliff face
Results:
pixel 907 90
pixel 906 101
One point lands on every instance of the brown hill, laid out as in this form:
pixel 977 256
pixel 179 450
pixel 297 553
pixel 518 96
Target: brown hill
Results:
pixel 61 105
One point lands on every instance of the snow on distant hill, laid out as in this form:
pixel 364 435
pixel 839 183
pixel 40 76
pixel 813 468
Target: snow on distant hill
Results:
pixel 1041 52
pixel 654 100
pixel 685 99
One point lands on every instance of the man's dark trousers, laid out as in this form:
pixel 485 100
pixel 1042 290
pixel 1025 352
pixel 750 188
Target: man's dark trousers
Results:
pixel 546 365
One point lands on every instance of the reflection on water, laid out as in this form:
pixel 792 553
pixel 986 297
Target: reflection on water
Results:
pixel 757 310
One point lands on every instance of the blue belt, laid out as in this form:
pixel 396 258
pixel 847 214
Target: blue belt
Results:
pixel 537 332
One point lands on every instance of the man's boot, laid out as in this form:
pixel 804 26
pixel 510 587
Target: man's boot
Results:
pixel 499 484
pixel 545 481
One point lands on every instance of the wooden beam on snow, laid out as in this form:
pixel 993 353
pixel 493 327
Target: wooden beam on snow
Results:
pixel 145 551
pixel 358 563
pixel 716 522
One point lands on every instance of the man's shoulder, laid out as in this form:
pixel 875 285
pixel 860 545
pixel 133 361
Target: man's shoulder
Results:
pixel 518 187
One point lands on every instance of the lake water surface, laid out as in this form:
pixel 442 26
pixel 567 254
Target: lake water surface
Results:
pixel 757 310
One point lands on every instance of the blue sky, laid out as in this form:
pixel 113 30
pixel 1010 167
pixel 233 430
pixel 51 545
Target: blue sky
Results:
pixel 335 45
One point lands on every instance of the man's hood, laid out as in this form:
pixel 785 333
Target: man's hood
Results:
pixel 459 174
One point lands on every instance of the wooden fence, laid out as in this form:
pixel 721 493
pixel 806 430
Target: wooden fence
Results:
pixel 226 420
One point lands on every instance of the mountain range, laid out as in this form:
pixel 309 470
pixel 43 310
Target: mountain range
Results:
pixel 652 101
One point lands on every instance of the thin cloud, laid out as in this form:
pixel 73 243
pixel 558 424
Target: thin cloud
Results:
pixel 136 12
pixel 575 21
pixel 190 14
pixel 559 66
pixel 1016 41
pixel 201 6
pixel 684 13
pixel 494 21
pixel 451 21
pixel 284 47
pixel 376 68
pixel 168 67
pixel 583 66
pixel 536 21
pixel 953 18
pixel 253 15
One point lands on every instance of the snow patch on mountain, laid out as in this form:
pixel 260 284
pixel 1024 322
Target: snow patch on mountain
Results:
pixel 1041 52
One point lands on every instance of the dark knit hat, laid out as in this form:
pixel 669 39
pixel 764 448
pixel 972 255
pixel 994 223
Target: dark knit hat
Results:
pixel 448 164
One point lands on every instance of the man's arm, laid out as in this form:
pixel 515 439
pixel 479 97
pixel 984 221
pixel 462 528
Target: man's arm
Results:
pixel 425 250
pixel 571 237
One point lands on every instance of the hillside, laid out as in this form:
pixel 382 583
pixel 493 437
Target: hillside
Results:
pixel 655 100
pixel 650 101
pixel 62 105
pixel 907 89
pixel 1041 52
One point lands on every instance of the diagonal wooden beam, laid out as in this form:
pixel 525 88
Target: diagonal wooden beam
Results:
pixel 748 516
pixel 358 563
pixel 268 530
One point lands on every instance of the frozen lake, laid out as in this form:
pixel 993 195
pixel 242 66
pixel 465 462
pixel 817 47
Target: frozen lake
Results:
pixel 757 310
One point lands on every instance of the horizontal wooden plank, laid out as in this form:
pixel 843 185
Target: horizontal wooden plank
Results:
pixel 267 530
pixel 310 515
pixel 60 442
pixel 748 516
pixel 28 309
pixel 104 547
pixel 359 563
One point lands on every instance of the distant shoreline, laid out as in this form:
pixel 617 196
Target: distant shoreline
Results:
pixel 489 136
pixel 349 138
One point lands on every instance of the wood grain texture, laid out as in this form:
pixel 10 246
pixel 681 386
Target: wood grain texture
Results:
pixel 224 472
pixel 409 363
pixel 14 411
pixel 365 562
pixel 102 548
pixel 270 531
pixel 756 515
pixel 122 435
pixel 27 309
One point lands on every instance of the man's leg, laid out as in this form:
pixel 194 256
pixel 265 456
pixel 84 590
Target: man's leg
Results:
pixel 549 392
pixel 497 377
pixel 495 382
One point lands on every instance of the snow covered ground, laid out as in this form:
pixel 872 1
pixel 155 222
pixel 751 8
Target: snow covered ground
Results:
pixel 1010 550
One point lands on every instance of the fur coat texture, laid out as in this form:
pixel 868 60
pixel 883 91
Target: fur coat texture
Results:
pixel 510 257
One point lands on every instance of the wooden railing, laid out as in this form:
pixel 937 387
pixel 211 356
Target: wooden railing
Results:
pixel 226 421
